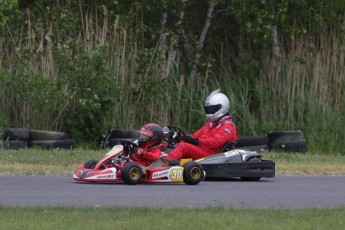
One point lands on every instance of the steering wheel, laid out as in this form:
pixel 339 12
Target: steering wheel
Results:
pixel 129 145
pixel 177 130
pixel 173 134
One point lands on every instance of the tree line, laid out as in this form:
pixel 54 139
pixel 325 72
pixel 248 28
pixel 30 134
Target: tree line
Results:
pixel 84 66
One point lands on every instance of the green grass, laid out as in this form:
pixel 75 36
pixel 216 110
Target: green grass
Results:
pixel 172 218
pixel 310 163
pixel 43 162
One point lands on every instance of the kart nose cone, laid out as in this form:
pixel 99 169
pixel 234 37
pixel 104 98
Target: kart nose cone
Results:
pixel 78 174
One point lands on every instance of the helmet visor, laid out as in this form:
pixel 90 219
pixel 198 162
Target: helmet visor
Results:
pixel 145 135
pixel 212 109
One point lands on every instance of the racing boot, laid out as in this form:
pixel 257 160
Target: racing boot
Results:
pixel 143 170
pixel 171 162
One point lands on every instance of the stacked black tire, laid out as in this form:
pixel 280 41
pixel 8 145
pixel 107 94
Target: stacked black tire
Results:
pixel 15 138
pixel 286 141
pixel 253 143
pixel 116 136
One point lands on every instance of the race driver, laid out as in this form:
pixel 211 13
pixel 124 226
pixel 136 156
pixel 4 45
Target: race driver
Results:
pixel 211 137
pixel 150 144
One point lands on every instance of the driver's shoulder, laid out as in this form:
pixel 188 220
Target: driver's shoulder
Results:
pixel 228 122
pixel 160 147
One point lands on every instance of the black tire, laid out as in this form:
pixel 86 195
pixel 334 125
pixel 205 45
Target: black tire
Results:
pixel 12 134
pixel 53 144
pixel 90 164
pixel 36 135
pixel 14 144
pixel 252 141
pixel 257 148
pixel 285 136
pixel 111 142
pixel 229 146
pixel 296 147
pixel 131 173
pixel 253 159
pixel 122 133
pixel 193 173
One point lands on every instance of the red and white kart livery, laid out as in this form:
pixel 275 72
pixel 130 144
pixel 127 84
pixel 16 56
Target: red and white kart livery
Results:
pixel 117 165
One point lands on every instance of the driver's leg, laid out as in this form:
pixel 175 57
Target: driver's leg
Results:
pixel 186 150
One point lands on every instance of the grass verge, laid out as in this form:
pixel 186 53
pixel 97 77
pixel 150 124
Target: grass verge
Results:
pixel 173 218
pixel 43 162
pixel 308 164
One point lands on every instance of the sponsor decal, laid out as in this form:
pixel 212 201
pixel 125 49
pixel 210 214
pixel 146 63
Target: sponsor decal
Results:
pixel 160 174
pixel 227 130
pixel 109 176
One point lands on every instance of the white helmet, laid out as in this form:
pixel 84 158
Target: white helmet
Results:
pixel 216 106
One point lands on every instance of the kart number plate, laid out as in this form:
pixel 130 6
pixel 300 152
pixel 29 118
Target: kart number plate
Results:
pixel 176 174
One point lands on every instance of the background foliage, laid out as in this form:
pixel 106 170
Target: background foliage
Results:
pixel 86 66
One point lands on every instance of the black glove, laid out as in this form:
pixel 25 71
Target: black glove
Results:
pixel 190 140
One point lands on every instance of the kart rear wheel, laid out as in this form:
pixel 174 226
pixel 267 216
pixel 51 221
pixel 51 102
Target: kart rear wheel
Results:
pixel 131 173
pixel 90 164
pixel 193 173
pixel 253 159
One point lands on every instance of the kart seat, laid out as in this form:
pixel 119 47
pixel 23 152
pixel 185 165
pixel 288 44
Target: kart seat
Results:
pixel 231 145
pixel 157 163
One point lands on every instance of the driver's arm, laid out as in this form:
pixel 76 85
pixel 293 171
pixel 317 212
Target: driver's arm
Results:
pixel 199 132
pixel 153 154
pixel 225 133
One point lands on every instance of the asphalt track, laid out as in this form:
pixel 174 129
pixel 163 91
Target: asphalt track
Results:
pixel 278 192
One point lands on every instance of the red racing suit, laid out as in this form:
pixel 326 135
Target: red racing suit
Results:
pixel 212 138
pixel 145 157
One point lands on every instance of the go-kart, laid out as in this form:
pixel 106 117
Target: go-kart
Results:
pixel 230 162
pixel 117 165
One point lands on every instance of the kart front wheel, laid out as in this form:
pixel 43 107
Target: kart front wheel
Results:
pixel 131 173
pixel 193 173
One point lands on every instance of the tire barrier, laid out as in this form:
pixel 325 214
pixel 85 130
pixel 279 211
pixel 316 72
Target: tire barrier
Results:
pixel 11 144
pixel 15 138
pixel 53 144
pixel 287 141
pixel 297 147
pixel 122 133
pixel 116 136
pixel 46 135
pixel 13 134
pixel 111 142
pixel 252 141
pixel 285 136
pixel 257 148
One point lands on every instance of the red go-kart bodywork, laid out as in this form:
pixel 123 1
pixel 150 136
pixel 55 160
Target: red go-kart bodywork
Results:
pixel 116 166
